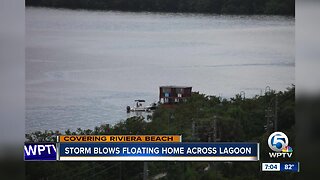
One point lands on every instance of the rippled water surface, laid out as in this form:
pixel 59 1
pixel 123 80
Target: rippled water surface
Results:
pixel 84 67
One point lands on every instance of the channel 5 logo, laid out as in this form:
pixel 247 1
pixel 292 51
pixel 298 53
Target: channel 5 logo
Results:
pixel 278 142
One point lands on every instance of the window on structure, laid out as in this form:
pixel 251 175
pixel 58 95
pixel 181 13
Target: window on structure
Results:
pixel 180 90
pixel 166 90
pixel 176 100
pixel 179 95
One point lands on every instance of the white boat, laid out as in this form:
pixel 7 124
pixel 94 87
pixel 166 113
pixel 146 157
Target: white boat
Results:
pixel 140 106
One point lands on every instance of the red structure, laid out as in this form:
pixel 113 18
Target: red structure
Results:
pixel 174 94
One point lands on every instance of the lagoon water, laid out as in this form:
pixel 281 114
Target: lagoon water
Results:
pixel 84 67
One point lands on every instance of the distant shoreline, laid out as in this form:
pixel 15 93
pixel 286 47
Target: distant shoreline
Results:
pixel 215 7
pixel 162 12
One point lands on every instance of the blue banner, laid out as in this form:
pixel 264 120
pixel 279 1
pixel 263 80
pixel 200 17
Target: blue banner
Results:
pixel 160 151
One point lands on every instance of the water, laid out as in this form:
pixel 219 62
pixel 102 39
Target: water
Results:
pixel 84 67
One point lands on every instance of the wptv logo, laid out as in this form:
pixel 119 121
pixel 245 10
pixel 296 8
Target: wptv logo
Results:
pixel 40 151
pixel 279 143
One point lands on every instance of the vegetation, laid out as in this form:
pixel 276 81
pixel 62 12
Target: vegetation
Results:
pixel 235 119
pixel 275 7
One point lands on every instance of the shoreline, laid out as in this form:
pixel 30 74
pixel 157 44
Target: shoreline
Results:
pixel 160 12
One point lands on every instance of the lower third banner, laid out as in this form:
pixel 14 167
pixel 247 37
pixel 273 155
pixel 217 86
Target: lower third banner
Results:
pixel 158 151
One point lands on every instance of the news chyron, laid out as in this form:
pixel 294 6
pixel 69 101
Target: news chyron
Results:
pixel 280 154
pixel 138 148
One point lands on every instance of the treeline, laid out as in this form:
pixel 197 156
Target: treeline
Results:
pixel 237 119
pixel 272 7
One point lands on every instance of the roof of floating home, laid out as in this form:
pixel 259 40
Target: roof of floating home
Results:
pixel 175 87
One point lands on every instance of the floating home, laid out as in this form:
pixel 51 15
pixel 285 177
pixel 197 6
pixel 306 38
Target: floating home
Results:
pixel 174 94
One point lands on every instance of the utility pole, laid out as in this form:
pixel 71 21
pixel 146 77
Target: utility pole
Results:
pixel 120 171
pixel 214 139
pixel 268 109
pixel 214 128
pixel 193 130
pixel 276 114
pixel 270 113
pixel 268 116
pixel 145 170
